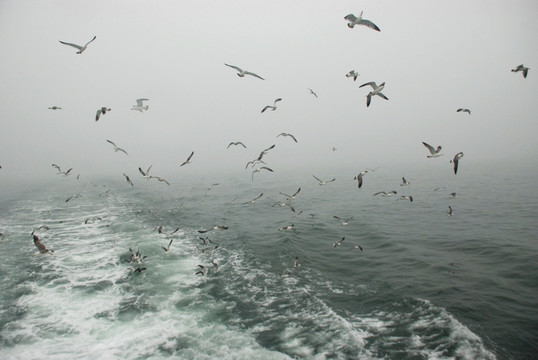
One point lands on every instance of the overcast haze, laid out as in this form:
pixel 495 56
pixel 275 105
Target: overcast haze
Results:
pixel 435 57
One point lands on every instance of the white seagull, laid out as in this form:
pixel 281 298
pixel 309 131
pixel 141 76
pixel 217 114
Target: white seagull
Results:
pixel 434 152
pixel 523 69
pixel 359 177
pixel 384 193
pixel 128 179
pixel 253 200
pixel 455 161
pixel 376 91
pixel 80 48
pixel 464 110
pixel 343 222
pixel 103 111
pixel 273 108
pixel 321 182
pixel 216 227
pixel 260 169
pixel 116 148
pixel 339 242
pixel 352 74
pixel 140 105
pixel 188 161
pixel 242 73
pixel 406 197
pixel 353 20
pixel 167 249
pixel 145 174
pixel 286 134
pixel 236 143
pixel 291 197
pixel 404 182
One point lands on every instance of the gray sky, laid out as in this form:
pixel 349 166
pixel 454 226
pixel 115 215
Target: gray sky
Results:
pixel 435 56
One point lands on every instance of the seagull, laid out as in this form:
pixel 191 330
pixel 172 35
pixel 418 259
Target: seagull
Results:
pixel 145 174
pixel 273 108
pixel 216 227
pixel 291 197
pixel 312 92
pixel 359 177
pixel 138 269
pixel 344 222
pixel 404 182
pixel 188 161
pixel 116 148
pixel 160 179
pixel 456 159
pixel 453 195
pixel 103 111
pixel 210 187
pixel 236 143
pixel 321 182
pixel 73 197
pixel 281 204
pixel 406 197
pixel 356 247
pixel 286 134
pixel 353 20
pixel 57 167
pixel 242 72
pixel 42 248
pixel 91 218
pixel 449 212
pixel 203 272
pixel 66 173
pixel 286 228
pixel 352 74
pixel 260 169
pixel 128 180
pixel 265 151
pixel 140 105
pixel 376 91
pixel 205 240
pixel 55 107
pixel 253 200
pixel 167 249
pixel 523 69
pixel 297 264
pixel 215 265
pixel 41 227
pixel 339 242
pixel 434 152
pixel 464 110
pixel 80 48
pixel 384 193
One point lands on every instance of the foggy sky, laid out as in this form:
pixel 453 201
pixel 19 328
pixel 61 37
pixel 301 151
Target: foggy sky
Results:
pixel 435 57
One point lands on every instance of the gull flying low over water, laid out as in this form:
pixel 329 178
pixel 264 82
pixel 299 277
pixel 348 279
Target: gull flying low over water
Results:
pixel 55 107
pixel 376 91
pixel 253 200
pixel 242 73
pixel 236 143
pixel 287 228
pixel 73 197
pixel 359 177
pixel 434 152
pixel 291 197
pixel 343 222
pixel 352 74
pixel 321 182
pixel 167 249
pixel 101 111
pixel 116 148
pixel 453 195
pixel 404 182
pixel 80 48
pixel 188 161
pixel 384 193
pixel 456 160
pixel 286 134
pixel 128 180
pixel 406 197
pixel 356 247
pixel 524 70
pixel 449 212
pixel 140 105
pixel 216 227
pixel 42 248
pixel 339 242
pixel 312 92
pixel 202 272
pixel 273 107
pixel 464 110
pixel 145 174
pixel 282 204
pixel 66 173
pixel 353 20
pixel 257 170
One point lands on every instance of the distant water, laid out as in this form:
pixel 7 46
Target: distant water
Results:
pixel 425 286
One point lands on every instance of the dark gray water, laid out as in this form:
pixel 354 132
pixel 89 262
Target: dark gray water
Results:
pixel 426 285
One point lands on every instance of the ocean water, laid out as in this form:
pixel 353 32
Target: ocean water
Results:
pixel 425 286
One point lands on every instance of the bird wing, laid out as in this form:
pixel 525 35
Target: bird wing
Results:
pixel 298 190
pixel 383 96
pixel 141 171
pixel 370 24
pixel 90 41
pixel 371 83
pixel 380 192
pixel 139 102
pixel 123 151
pixel 351 17
pixel 432 150
pixel 98 115
pixel 277 100
pixel 266 168
pixel 267 107
pixel 73 45
pixel 255 75
pixel 256 198
pixel 368 99
pixel 111 142
pixel 234 67
pixel 318 179
pixel 293 137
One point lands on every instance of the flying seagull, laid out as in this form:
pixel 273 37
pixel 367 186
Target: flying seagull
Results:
pixel 464 110
pixel 188 161
pixel 376 91
pixel 273 108
pixel 202 272
pixel 128 180
pixel 281 204
pixel 55 107
pixel 384 193
pixel 356 247
pixel 456 159
pixel 145 174
pixel 80 48
pixel 66 173
pixel 73 197
pixel 216 227
pixel 434 152
pixel 160 179
pixel 242 73
pixel 339 242
pixel 286 228
pixel 116 148
pixel 359 177
pixel 321 182
pixel 140 105
pixel 312 92
pixel 343 222
pixel 42 248
pixel 406 197
pixel 286 134
pixel 449 212
pixel 257 170
pixel 236 143
pixel 404 182
pixel 353 20
pixel 103 111
pixel 291 197
pixel 253 200
pixel 523 69
pixel 352 74
pixel 167 249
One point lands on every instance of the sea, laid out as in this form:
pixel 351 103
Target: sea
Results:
pixel 407 282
